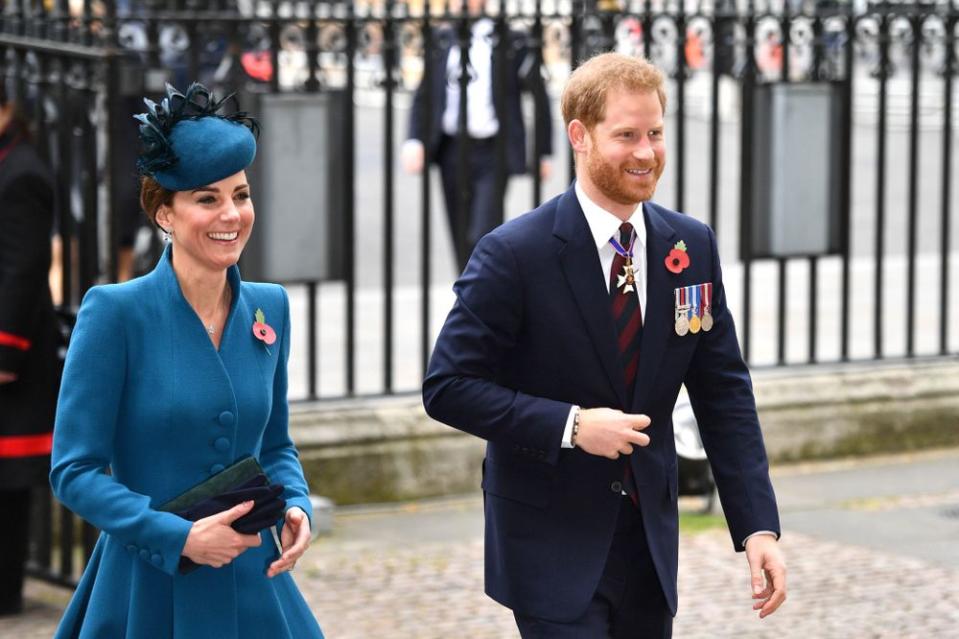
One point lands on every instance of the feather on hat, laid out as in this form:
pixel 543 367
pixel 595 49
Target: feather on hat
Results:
pixel 188 143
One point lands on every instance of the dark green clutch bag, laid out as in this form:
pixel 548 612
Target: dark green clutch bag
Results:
pixel 242 481
pixel 227 479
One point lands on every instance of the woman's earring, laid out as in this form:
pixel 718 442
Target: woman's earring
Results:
pixel 166 234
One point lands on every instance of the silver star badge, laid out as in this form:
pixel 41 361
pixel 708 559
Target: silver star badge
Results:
pixel 626 280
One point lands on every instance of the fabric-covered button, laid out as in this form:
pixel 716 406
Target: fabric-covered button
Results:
pixel 131 548
pixel 215 468
pixel 226 418
pixel 222 444
pixel 616 487
pixel 157 559
pixel 144 553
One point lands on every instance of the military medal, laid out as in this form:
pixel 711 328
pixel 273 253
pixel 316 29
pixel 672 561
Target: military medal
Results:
pixel 694 321
pixel 694 324
pixel 626 281
pixel 707 304
pixel 707 321
pixel 682 312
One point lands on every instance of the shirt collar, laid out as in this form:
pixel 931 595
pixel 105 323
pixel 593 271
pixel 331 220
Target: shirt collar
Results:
pixel 604 225
pixel 483 27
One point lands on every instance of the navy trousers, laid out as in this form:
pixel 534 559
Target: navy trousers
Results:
pixel 629 602
pixel 482 192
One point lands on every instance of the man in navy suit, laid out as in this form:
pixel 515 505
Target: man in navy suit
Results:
pixel 573 329
pixel 489 144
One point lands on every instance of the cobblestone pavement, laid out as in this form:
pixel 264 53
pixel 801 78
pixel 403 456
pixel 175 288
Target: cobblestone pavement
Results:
pixel 435 591
pixel 415 571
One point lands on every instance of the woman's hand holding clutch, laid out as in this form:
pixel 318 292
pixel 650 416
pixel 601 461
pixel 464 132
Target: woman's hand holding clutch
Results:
pixel 213 542
pixel 296 539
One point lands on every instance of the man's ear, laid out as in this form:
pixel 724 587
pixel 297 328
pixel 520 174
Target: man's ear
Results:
pixel 577 134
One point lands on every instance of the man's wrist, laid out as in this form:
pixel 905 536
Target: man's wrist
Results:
pixel 567 441
pixel 764 533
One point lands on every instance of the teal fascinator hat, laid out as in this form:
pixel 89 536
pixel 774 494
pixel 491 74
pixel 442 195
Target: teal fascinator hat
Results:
pixel 188 143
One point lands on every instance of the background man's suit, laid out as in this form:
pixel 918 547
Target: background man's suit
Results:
pixel 530 335
pixel 489 161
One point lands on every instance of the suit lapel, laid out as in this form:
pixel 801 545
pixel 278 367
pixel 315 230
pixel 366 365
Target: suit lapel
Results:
pixel 660 238
pixel 581 267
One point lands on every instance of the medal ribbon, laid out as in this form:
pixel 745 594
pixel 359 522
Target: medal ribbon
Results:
pixel 624 252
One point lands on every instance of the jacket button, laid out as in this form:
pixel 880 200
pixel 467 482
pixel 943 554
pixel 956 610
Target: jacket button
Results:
pixel 222 444
pixel 215 468
pixel 144 553
pixel 157 559
pixel 131 549
pixel 616 487
pixel 226 418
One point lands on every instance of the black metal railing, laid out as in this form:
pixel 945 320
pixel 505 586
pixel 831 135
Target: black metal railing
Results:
pixel 886 291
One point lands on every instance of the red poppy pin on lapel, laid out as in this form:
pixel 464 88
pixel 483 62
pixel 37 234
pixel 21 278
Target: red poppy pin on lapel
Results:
pixel 263 331
pixel 678 258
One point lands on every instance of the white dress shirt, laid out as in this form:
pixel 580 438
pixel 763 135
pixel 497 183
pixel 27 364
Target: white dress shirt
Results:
pixel 481 120
pixel 603 226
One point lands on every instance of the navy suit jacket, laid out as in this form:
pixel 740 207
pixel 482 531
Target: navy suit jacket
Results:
pixel 531 334
pixel 513 72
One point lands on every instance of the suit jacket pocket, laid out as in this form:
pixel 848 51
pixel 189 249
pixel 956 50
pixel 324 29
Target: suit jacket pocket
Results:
pixel 530 486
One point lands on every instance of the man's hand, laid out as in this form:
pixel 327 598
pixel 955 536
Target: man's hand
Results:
pixel 412 156
pixel 766 565
pixel 212 542
pixel 610 433
pixel 296 539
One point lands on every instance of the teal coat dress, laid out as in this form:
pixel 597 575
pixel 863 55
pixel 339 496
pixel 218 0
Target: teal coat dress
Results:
pixel 148 408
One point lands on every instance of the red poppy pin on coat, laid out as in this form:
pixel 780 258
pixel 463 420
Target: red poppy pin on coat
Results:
pixel 263 331
pixel 678 258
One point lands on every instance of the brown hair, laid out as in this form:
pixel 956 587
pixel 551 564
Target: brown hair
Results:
pixel 153 196
pixel 584 97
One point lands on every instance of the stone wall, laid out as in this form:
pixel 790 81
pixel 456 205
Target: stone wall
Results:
pixel 388 449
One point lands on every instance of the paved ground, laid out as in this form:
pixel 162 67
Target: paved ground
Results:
pixel 871 548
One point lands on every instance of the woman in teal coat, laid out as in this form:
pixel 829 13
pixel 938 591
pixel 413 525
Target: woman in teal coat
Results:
pixel 170 378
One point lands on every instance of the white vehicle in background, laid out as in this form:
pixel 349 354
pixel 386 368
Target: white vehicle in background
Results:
pixel 695 475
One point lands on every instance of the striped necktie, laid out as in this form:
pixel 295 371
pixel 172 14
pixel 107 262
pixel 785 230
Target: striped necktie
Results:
pixel 626 314
pixel 629 330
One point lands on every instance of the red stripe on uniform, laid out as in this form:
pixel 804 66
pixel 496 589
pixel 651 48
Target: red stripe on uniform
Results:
pixel 26 445
pixel 9 339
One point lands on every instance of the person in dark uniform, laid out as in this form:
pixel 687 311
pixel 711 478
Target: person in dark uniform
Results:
pixel 498 76
pixel 28 343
